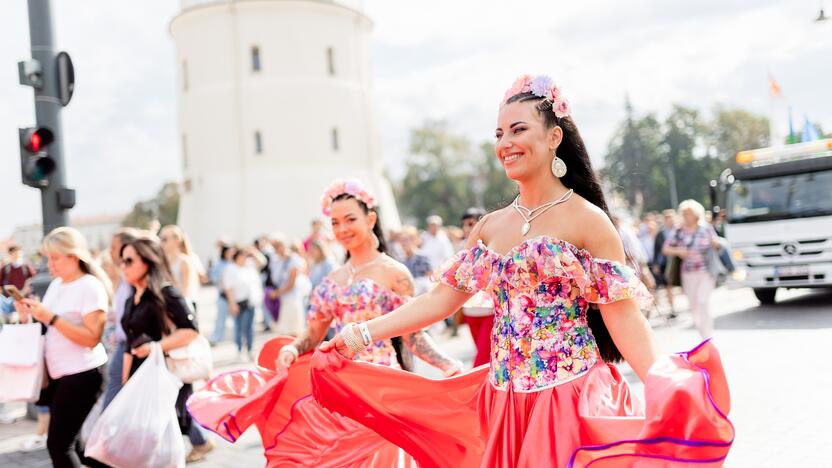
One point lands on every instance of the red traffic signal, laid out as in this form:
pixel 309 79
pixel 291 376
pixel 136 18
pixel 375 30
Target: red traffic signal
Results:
pixel 36 139
pixel 35 162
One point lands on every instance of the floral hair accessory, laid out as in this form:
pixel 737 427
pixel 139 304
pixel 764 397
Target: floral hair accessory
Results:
pixel 351 187
pixel 541 86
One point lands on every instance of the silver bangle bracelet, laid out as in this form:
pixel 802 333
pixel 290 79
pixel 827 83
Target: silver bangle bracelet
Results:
pixel 365 333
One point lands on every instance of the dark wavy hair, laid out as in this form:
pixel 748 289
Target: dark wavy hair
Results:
pixel 402 353
pixel 581 178
pixel 158 275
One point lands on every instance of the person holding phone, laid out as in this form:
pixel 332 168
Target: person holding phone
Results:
pixel 157 312
pixel 74 312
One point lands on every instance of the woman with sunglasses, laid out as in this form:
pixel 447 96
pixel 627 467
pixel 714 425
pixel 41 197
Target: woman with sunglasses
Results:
pixel 157 312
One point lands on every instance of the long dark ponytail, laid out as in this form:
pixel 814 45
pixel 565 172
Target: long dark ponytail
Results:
pixel 402 354
pixel 581 178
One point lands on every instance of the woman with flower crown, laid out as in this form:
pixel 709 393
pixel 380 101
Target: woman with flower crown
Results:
pixel 295 429
pixel 566 307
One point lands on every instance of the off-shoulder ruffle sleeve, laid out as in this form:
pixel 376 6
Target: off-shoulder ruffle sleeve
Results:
pixel 611 281
pixel 322 302
pixel 471 270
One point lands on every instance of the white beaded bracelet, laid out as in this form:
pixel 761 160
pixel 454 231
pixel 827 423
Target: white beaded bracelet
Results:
pixel 352 338
pixel 292 349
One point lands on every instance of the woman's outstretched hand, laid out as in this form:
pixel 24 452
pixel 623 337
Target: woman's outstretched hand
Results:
pixel 337 344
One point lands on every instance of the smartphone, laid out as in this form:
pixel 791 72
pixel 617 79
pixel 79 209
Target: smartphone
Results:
pixel 12 291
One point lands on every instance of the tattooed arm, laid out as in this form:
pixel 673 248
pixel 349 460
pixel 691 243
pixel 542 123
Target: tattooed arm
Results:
pixel 307 341
pixel 419 342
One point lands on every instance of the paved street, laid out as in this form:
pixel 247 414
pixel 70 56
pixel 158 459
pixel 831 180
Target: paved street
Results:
pixel 775 357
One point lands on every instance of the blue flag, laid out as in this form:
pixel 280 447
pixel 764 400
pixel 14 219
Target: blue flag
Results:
pixel 810 133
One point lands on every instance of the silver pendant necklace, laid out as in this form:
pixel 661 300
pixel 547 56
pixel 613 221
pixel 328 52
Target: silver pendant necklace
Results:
pixel 352 270
pixel 529 215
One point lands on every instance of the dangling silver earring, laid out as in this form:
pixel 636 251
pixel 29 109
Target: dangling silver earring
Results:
pixel 558 166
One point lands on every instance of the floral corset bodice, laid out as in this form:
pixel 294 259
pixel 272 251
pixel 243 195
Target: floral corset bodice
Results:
pixel 360 301
pixel 542 290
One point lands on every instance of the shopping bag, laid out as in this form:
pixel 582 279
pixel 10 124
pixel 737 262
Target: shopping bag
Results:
pixel 21 362
pixel 139 428
pixel 191 362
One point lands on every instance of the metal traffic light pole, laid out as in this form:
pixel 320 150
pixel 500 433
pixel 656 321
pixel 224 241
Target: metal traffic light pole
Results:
pixel 50 96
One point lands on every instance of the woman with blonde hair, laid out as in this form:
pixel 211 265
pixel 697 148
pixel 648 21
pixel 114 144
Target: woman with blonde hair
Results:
pixel 74 310
pixel 183 264
pixel 692 243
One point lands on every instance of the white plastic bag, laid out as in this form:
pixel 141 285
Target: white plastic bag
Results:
pixel 139 428
pixel 21 362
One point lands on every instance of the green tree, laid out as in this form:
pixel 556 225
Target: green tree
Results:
pixel 632 164
pixel 735 130
pixel 497 189
pixel 438 179
pixel 164 207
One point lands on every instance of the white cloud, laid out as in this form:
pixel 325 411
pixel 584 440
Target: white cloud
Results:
pixel 435 59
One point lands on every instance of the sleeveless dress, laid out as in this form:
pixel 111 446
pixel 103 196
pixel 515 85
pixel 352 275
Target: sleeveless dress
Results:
pixel 294 428
pixel 546 399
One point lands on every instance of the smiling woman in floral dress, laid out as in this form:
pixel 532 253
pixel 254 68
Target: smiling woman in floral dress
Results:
pixel 566 306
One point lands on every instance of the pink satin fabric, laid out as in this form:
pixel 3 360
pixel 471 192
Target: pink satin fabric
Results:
pixel 294 428
pixel 593 420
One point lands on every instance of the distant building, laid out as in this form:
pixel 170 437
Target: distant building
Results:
pixel 275 102
pixel 97 230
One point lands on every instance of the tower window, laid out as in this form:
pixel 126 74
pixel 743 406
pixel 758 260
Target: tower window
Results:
pixel 258 142
pixel 184 152
pixel 330 60
pixel 255 58
pixel 335 139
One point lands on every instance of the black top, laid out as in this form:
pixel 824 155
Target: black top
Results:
pixel 143 324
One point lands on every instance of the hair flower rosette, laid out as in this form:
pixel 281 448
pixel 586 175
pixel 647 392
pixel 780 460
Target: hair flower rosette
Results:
pixel 352 187
pixel 541 86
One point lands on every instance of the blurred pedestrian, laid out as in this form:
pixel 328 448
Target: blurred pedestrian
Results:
pixel 692 243
pixel 659 265
pixel 478 311
pixel 226 257
pixel 183 263
pixel 320 262
pixel 285 267
pixel 435 244
pixel 16 271
pixel 74 309
pixel 116 334
pixel 416 262
pixel 241 283
pixel 157 312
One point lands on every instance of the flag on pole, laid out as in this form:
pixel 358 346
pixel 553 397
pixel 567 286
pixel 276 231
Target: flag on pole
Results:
pixel 777 113
pixel 792 136
pixel 810 133
pixel 775 87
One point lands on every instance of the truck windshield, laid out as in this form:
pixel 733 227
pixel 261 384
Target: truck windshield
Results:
pixel 781 197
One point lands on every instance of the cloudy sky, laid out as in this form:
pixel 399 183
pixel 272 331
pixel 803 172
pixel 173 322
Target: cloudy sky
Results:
pixel 438 60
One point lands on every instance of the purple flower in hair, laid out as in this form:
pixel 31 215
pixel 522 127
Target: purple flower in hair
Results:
pixel 542 85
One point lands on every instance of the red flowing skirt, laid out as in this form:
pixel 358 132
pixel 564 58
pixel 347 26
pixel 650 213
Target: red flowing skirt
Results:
pixel 294 428
pixel 593 420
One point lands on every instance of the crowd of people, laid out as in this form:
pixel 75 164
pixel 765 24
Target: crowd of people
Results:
pixel 550 307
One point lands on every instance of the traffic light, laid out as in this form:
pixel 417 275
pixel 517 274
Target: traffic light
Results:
pixel 35 162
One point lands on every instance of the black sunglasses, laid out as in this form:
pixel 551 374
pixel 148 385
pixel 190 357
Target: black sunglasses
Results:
pixel 128 261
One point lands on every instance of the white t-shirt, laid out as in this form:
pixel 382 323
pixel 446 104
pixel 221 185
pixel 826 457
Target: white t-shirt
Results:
pixel 242 281
pixel 72 301
pixel 436 248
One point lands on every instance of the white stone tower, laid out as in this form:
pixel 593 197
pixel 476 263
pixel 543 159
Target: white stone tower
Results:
pixel 274 103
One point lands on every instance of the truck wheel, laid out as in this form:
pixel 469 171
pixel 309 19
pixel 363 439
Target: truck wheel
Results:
pixel 765 295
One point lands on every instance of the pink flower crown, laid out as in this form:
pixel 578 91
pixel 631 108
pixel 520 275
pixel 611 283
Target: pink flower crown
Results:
pixel 351 187
pixel 541 86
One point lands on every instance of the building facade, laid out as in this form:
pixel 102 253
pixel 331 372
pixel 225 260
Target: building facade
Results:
pixel 274 103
